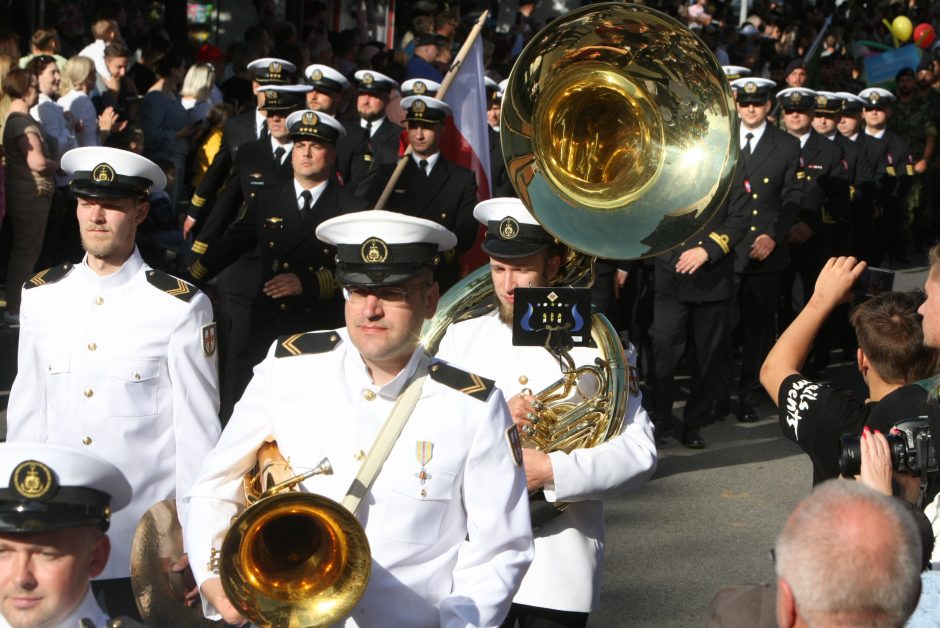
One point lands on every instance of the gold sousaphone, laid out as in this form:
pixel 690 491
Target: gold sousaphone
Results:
pixel 619 134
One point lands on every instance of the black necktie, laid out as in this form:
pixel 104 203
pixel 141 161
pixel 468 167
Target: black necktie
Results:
pixel 279 155
pixel 263 131
pixel 369 128
pixel 423 164
pixel 747 144
pixel 305 210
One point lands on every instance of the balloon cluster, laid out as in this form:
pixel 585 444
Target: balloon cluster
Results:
pixel 902 28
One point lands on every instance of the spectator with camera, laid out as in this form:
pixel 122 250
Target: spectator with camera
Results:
pixel 891 355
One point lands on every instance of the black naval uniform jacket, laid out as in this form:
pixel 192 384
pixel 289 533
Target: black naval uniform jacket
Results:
pixel 825 197
pixel 287 243
pixel 714 280
pixel 893 167
pixel 382 146
pixel 253 171
pixel 499 176
pixel 352 164
pixel 237 130
pixel 771 191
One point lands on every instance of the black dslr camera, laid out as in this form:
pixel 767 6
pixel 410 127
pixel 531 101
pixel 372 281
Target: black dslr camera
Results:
pixel 911 451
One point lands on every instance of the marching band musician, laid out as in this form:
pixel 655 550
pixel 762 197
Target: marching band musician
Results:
pixel 54 513
pixel 563 584
pixel 447 517
pixel 117 358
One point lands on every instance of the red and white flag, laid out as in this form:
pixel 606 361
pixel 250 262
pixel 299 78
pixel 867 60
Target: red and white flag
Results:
pixel 466 139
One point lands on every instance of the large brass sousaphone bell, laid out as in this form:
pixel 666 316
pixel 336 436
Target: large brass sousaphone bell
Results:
pixel 618 131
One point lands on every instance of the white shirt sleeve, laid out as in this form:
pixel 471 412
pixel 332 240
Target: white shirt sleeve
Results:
pixel 27 418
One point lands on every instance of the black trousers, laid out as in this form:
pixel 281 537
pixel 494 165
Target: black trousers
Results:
pixel 709 326
pixel 525 616
pixel 757 298
pixel 116 597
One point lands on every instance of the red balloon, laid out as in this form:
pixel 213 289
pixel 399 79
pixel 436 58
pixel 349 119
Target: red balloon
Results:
pixel 924 35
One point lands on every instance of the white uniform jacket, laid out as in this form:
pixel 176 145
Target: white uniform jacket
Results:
pixel 119 366
pixel 569 550
pixel 321 403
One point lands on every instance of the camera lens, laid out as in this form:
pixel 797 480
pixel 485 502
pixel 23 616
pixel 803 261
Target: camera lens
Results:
pixel 850 455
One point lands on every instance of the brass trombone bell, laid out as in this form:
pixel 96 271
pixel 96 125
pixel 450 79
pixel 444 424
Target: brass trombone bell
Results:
pixel 618 131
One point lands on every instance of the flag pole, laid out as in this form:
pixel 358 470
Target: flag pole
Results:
pixel 448 79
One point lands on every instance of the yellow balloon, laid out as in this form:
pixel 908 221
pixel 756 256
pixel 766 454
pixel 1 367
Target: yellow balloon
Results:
pixel 902 28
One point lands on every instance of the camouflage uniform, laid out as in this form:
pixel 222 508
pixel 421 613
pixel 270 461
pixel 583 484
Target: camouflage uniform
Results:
pixel 914 121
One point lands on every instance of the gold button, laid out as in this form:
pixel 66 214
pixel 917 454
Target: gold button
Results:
pixel 136 375
pixel 754 212
pixel 98 300
pixel 368 395
pixel 443 216
pixel 754 195
pixel 766 180
pixel 753 228
pixel 359 455
pixel 434 368
pixel 86 440
pixel 270 245
pixel 809 178
pixel 424 492
pixel 92 346
pixel 333 338
pixel 89 393
pixel 523 380
pixel 311 268
pixel 285 265
pixel 326 251
pixel 283 306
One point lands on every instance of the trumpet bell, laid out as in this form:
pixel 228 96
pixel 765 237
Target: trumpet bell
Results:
pixel 618 131
pixel 295 559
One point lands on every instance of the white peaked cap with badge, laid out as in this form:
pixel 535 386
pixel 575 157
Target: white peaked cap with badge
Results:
pixel 319 72
pixel 419 87
pixel 760 83
pixel 105 172
pixel 511 231
pixel 313 119
pixel 503 207
pixel 430 103
pixel 265 63
pixel 52 486
pixel 736 70
pixel 391 227
pixel 371 77
pixel 850 97
pixel 875 94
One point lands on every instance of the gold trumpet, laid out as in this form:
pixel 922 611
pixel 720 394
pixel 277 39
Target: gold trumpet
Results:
pixel 619 135
pixel 292 559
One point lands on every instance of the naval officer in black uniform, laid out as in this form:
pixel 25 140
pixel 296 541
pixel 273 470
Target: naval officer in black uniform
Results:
pixel 772 193
pixel 383 135
pixel 432 187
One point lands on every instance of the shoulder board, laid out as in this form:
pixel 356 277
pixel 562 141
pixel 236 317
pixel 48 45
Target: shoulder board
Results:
pixel 306 344
pixel 467 383
pixel 50 275
pixel 171 285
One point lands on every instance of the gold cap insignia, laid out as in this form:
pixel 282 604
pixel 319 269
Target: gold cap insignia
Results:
pixel 420 87
pixel 508 228
pixel 103 173
pixel 367 78
pixel 310 119
pixel 419 107
pixel 32 479
pixel 270 96
pixel 374 251
pixel 821 101
pixel 275 68
pixel 874 96
pixel 316 75
pixel 796 97
pixel 750 87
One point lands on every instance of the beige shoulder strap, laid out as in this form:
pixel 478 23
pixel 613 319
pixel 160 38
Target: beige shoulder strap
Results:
pixel 387 437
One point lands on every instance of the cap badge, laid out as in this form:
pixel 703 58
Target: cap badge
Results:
pixel 316 75
pixel 874 96
pixel 796 97
pixel 420 87
pixel 419 107
pixel 750 87
pixel 275 68
pixel 508 228
pixel 821 101
pixel 270 96
pixel 367 78
pixel 103 173
pixel 310 119
pixel 374 251
pixel 32 479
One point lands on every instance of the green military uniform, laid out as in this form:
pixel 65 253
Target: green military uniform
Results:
pixel 914 121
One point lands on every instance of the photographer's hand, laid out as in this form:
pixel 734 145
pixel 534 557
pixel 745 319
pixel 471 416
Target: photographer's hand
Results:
pixel 876 461
pixel 835 281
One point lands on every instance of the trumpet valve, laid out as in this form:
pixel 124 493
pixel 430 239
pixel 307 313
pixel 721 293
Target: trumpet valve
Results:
pixel 213 564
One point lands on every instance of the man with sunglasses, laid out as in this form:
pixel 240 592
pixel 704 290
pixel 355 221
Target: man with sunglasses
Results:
pixel 769 187
pixel 447 515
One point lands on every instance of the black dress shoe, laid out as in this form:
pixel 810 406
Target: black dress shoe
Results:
pixel 661 432
pixel 747 413
pixel 692 439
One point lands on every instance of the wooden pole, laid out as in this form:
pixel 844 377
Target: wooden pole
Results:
pixel 448 79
